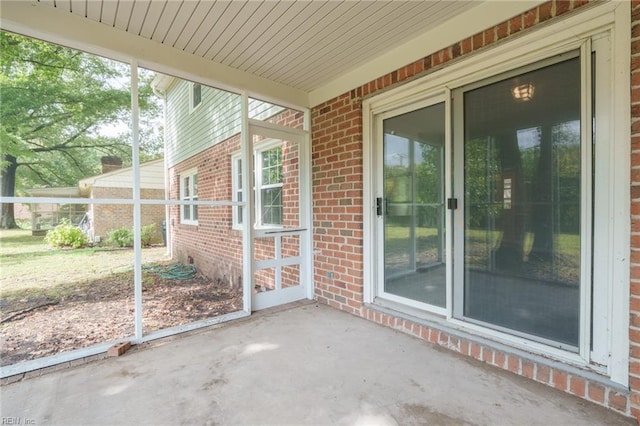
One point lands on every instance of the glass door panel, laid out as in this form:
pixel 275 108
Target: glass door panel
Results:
pixel 522 205
pixel 414 226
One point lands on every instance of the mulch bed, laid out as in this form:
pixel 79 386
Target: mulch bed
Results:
pixel 102 311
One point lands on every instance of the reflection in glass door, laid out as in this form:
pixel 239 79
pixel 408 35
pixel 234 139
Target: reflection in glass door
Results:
pixel 413 205
pixel 521 173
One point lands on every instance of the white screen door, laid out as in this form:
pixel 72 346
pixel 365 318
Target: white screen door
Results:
pixel 281 235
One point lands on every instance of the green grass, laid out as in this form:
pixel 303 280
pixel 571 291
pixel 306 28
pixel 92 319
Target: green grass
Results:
pixel 28 266
pixel 480 243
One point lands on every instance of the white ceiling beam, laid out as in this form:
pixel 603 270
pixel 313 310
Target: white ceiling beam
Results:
pixel 47 23
pixel 464 25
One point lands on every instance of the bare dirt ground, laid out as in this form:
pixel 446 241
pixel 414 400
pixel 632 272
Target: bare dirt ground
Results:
pixel 101 310
pixel 57 300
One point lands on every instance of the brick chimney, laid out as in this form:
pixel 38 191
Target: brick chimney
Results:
pixel 110 163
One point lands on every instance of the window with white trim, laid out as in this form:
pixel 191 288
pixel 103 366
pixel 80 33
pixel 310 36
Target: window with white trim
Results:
pixel 189 192
pixel 236 170
pixel 268 185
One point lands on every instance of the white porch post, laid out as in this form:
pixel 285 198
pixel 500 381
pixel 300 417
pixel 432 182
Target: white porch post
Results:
pixel 248 214
pixel 137 243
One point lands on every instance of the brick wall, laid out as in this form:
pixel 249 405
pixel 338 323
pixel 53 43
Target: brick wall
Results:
pixel 216 248
pixel 337 213
pixel 107 217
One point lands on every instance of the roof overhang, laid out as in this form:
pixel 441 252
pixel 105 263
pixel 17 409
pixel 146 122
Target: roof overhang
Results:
pixel 43 21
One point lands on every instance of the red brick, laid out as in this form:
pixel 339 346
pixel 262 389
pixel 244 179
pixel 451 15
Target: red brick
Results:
pixel 502 30
pixel 119 349
pixel 530 18
pixel 487 354
pixel 478 41
pixel 596 393
pixel 545 11
pixel 515 24
pixel 475 350
pixel 577 386
pixel 559 379
pixel 513 364
pixel 466 45
pixel 543 373
pixel 562 6
pixel 617 401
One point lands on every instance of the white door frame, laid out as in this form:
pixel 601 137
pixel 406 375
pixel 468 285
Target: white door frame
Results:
pixel 430 99
pixel 278 296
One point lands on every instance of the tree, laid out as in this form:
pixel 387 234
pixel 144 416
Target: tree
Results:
pixel 55 106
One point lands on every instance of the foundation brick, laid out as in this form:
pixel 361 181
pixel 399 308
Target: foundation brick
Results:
pixel 596 393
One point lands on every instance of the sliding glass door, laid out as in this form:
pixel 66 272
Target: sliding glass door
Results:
pixel 412 205
pixel 517 171
pixel 519 167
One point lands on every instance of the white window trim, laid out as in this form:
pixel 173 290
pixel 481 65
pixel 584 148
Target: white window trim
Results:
pixel 235 184
pixel 548 40
pixel 183 176
pixel 192 86
pixel 257 170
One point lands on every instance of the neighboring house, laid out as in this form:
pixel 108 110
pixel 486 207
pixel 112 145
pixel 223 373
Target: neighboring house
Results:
pixel 117 183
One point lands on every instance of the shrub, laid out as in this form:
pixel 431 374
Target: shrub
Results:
pixel 66 235
pixel 122 237
pixel 148 234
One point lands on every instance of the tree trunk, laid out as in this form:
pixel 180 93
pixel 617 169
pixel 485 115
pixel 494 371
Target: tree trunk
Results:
pixel 8 184
pixel 508 255
pixel 542 208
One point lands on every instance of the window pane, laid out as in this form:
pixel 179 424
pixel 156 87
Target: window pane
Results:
pixel 197 94
pixel 522 161
pixel 272 206
pixel 195 185
pixel 185 188
pixel 240 209
pixel 272 166
pixel 414 262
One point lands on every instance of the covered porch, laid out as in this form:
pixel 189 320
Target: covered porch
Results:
pixel 298 364
pixel 342 73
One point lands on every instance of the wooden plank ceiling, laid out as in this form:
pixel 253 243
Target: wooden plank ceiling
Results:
pixel 302 44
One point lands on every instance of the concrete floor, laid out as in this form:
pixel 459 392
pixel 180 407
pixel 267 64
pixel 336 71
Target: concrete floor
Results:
pixel 304 365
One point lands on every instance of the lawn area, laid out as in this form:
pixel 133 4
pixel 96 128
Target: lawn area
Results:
pixel 27 263
pixel 56 300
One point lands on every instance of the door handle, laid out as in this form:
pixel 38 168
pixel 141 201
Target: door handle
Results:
pixel 379 206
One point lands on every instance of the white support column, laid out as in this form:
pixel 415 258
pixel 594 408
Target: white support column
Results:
pixel 137 243
pixel 248 214
pixel 306 211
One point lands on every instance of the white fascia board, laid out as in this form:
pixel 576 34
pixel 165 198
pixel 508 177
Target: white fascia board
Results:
pixel 478 18
pixel 47 23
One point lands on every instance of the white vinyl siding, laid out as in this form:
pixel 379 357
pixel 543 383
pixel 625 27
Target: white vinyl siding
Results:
pixel 217 118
